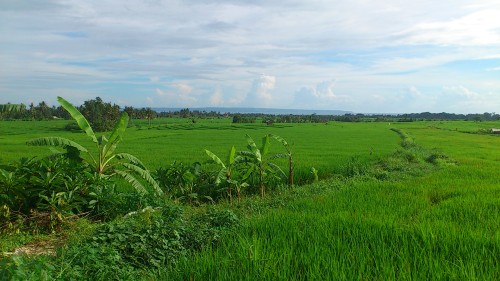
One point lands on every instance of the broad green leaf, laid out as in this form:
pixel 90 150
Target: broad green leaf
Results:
pixel 215 158
pixel 231 156
pixel 253 148
pixel 265 145
pixel 116 134
pixel 145 175
pixel 251 144
pixel 130 158
pixel 279 139
pixel 79 118
pixel 221 176
pixel 102 140
pixel 133 181
pixel 278 156
pixel 249 172
pixel 245 156
pixel 277 170
pixel 55 141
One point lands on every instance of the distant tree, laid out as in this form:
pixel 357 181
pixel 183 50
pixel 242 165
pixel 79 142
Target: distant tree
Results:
pixel 130 111
pixel 185 113
pixel 237 118
pixel 14 111
pixel 101 115
pixel 43 111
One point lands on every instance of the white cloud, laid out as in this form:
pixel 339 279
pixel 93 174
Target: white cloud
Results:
pixel 183 88
pixel 320 96
pixel 178 52
pixel 216 99
pixel 260 93
pixel 475 29
pixel 463 99
pixel 176 95
pixel 461 92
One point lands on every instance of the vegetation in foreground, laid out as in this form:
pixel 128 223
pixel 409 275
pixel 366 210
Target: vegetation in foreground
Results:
pixel 398 218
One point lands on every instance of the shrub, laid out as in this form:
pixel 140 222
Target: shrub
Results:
pixel 188 183
pixel 42 193
pixel 150 238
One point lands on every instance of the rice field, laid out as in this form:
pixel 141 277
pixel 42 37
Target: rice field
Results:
pixel 322 146
pixel 442 225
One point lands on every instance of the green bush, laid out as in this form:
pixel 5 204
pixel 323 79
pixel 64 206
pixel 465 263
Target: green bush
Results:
pixel 129 248
pixel 41 193
pixel 188 183
pixel 159 237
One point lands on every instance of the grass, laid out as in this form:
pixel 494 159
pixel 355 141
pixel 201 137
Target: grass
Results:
pixel 444 225
pixel 417 229
pixel 418 223
pixel 324 147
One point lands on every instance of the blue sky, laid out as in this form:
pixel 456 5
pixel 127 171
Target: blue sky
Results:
pixel 389 56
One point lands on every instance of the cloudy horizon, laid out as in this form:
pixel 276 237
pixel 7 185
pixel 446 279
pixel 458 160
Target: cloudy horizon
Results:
pixel 378 56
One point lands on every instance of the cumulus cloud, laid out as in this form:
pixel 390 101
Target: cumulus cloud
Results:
pixel 216 99
pixel 463 99
pixel 319 96
pixel 477 28
pixel 461 92
pixel 260 93
pixel 414 100
pixel 176 95
pixel 130 50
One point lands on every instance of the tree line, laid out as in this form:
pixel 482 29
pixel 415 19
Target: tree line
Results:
pixel 102 115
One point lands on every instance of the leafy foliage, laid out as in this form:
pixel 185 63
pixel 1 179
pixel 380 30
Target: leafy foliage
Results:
pixel 258 165
pixel 41 193
pixel 227 168
pixel 106 162
pixel 101 115
pixel 11 107
pixel 130 247
pixel 188 183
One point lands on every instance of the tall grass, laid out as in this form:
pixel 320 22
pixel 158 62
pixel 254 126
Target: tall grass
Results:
pixel 367 232
pixel 443 225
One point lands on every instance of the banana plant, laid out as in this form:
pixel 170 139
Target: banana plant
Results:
pixel 288 155
pixel 106 162
pixel 226 171
pixel 258 161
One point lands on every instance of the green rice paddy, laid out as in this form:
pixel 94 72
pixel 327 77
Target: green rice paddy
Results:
pixel 442 225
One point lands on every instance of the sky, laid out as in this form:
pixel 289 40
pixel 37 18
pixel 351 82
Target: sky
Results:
pixel 378 56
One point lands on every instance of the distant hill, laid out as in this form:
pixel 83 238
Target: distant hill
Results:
pixel 274 111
